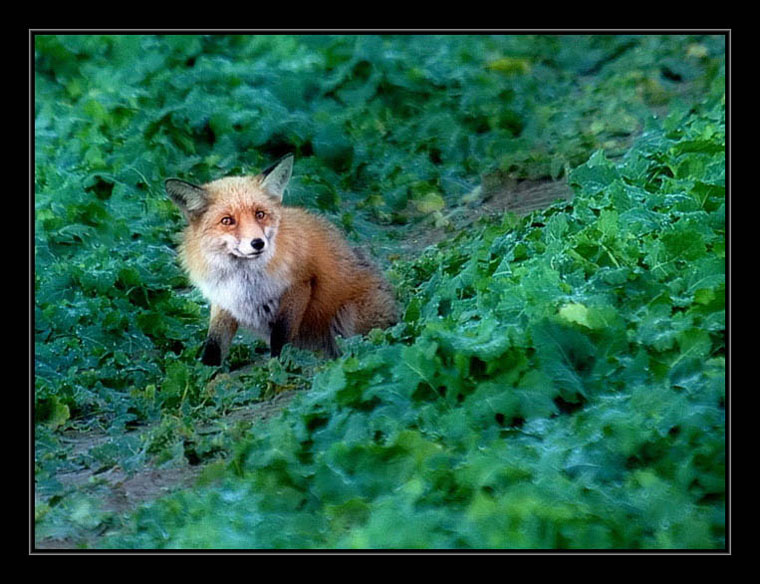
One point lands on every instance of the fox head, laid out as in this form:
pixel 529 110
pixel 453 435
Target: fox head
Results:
pixel 235 217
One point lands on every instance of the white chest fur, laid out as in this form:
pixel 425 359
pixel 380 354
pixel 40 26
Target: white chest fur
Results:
pixel 247 291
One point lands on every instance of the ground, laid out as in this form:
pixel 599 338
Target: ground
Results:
pixel 120 492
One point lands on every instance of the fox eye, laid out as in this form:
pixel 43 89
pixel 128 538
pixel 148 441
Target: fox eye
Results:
pixel 228 221
pixel 260 214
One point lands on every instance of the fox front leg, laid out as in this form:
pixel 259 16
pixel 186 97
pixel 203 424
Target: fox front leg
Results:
pixel 287 325
pixel 221 330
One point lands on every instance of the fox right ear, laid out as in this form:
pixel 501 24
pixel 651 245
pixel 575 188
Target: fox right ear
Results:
pixel 190 198
pixel 275 179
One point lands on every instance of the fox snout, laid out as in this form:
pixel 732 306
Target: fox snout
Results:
pixel 249 247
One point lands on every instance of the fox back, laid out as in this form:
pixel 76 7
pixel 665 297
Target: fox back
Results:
pixel 281 272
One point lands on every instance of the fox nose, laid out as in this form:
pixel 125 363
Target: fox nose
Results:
pixel 258 244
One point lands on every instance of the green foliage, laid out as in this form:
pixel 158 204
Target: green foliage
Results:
pixel 556 381
pixel 571 398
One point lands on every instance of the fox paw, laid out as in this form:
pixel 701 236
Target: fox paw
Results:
pixel 212 353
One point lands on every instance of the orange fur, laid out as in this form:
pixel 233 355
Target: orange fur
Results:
pixel 280 271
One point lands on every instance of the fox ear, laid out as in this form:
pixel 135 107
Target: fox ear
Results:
pixel 191 199
pixel 275 178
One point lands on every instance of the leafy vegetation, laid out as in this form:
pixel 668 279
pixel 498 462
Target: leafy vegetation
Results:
pixel 557 380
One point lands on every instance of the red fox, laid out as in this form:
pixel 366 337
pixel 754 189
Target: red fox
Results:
pixel 283 273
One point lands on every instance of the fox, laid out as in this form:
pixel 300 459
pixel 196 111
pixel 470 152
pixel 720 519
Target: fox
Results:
pixel 284 273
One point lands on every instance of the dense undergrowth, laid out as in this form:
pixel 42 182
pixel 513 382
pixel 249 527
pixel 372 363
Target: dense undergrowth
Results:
pixel 557 381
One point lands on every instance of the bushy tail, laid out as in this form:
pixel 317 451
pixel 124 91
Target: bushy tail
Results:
pixel 377 309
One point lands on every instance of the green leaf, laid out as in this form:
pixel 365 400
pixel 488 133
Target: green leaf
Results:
pixel 429 203
pixel 562 352
pixel 694 344
pixel 58 413
pixel 576 313
pixel 596 175
pixel 417 366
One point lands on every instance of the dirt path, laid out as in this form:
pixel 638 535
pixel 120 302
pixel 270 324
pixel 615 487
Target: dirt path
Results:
pixel 117 491
pixel 126 491
pixel 495 195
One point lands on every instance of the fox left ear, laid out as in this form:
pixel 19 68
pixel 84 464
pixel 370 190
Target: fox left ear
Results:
pixel 275 178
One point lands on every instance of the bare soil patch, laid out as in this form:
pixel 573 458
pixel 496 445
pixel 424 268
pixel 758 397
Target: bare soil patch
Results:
pixel 502 194
pixel 497 194
pixel 117 491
